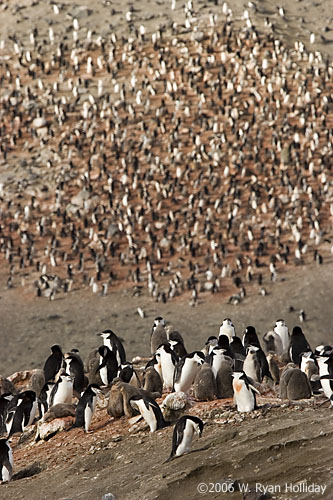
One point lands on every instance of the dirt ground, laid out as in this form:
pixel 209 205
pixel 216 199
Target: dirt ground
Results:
pixel 279 448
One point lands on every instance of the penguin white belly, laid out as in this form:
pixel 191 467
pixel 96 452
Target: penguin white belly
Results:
pixel 6 474
pixel 185 445
pixel 244 397
pixel 250 369
pixel 148 415
pixel 64 393
pixel 217 363
pixel 326 386
pixel 283 333
pixel 227 330
pixel 88 413
pixel 32 414
pixel 104 375
pixel 186 378
pixel 168 370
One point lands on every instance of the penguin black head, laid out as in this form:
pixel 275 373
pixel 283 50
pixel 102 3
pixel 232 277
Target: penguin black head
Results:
pixel 104 351
pixel 223 341
pixel 56 349
pixel 297 331
pixel 250 337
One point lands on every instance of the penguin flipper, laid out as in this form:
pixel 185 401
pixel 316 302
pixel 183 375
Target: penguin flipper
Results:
pixel 254 389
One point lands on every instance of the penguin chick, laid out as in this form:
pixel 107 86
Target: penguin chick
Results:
pixel 244 392
pixel 152 381
pixel 186 371
pixel 86 407
pixel 150 411
pixel 294 384
pixel 6 461
pixel 273 367
pixel 205 384
pixel 224 381
pixel 183 433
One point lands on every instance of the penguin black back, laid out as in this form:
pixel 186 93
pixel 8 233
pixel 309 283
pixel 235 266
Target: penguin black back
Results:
pixel 298 345
pixel 53 363
pixel 109 365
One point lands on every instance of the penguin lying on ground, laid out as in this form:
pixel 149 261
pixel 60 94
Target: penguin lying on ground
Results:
pixel 183 435
pixel 150 411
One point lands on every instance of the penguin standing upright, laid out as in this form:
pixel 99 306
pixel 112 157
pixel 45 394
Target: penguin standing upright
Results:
pixel 112 341
pixel 298 345
pixel 251 365
pixel 108 365
pixel 250 338
pixel 158 334
pixel 227 328
pixel 5 399
pixel 186 371
pixel 178 347
pixel 281 329
pixel 45 397
pixel 150 411
pixel 21 412
pixel 86 406
pixel 74 366
pixel 325 364
pixel 244 392
pixel 62 391
pixel 168 359
pixel 6 461
pixel 183 433
pixel 53 364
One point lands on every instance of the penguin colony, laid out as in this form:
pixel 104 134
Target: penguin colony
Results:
pixel 227 366
pixel 189 159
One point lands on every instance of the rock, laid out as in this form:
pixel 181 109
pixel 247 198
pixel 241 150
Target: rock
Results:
pixel 45 430
pixel 174 405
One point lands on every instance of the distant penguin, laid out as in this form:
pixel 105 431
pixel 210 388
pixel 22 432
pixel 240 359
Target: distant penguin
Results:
pixel 182 437
pixel 227 328
pixel 205 384
pixel 186 371
pixel 244 393
pixel 224 380
pixel 74 366
pixel 158 334
pixel 294 384
pixel 21 412
pixel 5 399
pixel 6 461
pixel 298 345
pixel 150 411
pixel 325 364
pixel 152 381
pixel 86 406
pixel 112 341
pixel 281 329
pixel 108 366
pixel 169 359
pixel 62 391
pixel 53 364
pixel 178 347
pixel 251 365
